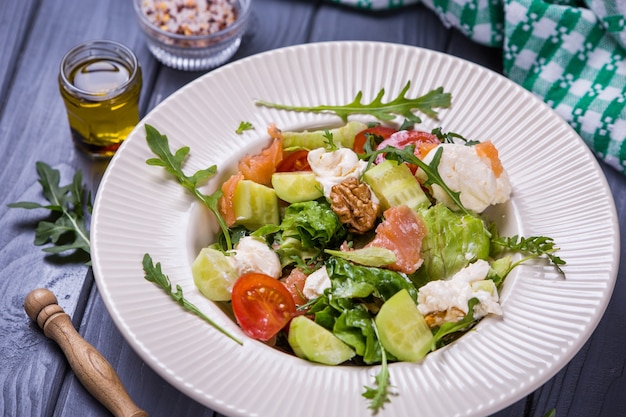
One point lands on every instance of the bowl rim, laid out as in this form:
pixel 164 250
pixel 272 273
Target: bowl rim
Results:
pixel 236 26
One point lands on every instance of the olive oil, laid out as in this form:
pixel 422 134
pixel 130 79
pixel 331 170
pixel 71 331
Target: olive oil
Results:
pixel 101 94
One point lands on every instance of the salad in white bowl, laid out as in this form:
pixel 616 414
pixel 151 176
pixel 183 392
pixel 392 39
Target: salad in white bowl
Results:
pixel 359 244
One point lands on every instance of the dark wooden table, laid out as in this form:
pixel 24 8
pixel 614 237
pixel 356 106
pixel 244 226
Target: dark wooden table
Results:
pixel 34 35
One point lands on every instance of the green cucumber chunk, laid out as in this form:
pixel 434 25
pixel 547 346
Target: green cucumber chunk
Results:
pixel 402 329
pixel 255 205
pixel 394 185
pixel 213 274
pixel 313 342
pixel 296 187
pixel 343 137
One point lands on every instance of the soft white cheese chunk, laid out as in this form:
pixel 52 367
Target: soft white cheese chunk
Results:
pixel 253 255
pixel 331 168
pixel 464 171
pixel 454 293
pixel 316 283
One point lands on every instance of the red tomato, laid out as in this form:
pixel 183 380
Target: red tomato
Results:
pixel 409 137
pixel 361 137
pixel 262 305
pixel 295 161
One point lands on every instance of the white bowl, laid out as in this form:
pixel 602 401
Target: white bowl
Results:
pixel 193 52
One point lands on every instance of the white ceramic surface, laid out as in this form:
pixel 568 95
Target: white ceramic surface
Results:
pixel 558 191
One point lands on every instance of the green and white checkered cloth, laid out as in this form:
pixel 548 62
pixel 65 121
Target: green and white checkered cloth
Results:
pixel 571 53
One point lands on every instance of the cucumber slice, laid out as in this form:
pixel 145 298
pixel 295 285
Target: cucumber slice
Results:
pixel 255 205
pixel 394 185
pixel 311 341
pixel 295 187
pixel 402 329
pixel 213 274
pixel 343 137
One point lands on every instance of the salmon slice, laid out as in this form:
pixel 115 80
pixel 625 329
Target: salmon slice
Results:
pixel 259 168
pixel 488 150
pixel 295 285
pixel 226 207
pixel 424 148
pixel 401 231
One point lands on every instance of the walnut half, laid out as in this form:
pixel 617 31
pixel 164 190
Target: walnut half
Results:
pixel 352 201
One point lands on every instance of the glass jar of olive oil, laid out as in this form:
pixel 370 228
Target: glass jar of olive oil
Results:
pixel 100 82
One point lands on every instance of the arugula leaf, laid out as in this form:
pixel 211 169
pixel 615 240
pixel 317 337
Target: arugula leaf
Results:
pixel 379 394
pixel 534 247
pixel 173 164
pixel 329 143
pixel 400 106
pixel 451 137
pixel 154 274
pixel 243 126
pixel 68 204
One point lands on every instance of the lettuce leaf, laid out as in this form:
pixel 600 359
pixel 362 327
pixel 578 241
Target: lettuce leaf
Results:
pixel 306 230
pixel 453 241
pixel 353 281
pixel 313 223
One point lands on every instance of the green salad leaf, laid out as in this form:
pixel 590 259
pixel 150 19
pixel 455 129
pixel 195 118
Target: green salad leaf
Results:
pixel 243 126
pixel 399 106
pixel 380 393
pixel 453 241
pixel 306 230
pixel 533 247
pixel 154 274
pixel 367 256
pixel 173 164
pixel 314 223
pixel 354 281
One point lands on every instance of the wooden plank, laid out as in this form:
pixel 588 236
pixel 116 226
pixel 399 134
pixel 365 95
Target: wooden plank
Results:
pixel 34 127
pixel 15 19
pixel 412 25
pixel 149 391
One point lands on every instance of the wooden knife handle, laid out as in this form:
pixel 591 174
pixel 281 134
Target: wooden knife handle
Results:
pixel 91 368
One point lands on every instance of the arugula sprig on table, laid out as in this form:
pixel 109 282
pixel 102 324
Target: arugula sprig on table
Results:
pixel 69 205
pixel 384 111
pixel 173 164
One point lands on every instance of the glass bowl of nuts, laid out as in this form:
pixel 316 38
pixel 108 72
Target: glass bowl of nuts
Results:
pixel 193 35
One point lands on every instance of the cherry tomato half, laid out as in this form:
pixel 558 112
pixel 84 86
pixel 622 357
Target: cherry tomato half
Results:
pixel 262 305
pixel 361 137
pixel 295 161
pixel 409 137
